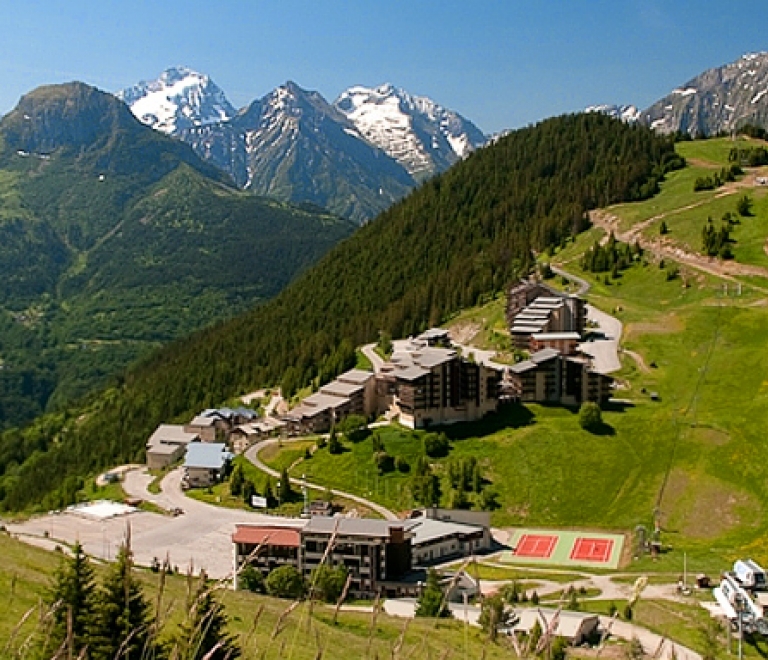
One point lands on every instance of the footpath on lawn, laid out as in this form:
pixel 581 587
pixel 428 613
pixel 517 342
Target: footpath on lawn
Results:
pixel 252 454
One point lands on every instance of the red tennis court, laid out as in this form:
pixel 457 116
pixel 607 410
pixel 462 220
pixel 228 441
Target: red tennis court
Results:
pixel 587 549
pixel 539 546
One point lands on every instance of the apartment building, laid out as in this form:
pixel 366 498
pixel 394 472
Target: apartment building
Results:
pixel 550 376
pixel 380 556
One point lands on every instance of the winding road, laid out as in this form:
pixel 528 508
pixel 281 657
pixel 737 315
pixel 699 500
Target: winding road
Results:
pixel 605 350
pixel 252 454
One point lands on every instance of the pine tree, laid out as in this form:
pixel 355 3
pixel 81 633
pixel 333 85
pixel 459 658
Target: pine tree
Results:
pixel 431 601
pixel 236 481
pixel 334 444
pixel 121 624
pixel 204 632
pixel 286 493
pixel 269 493
pixel 72 597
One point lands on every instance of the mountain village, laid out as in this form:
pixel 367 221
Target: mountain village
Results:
pixel 483 468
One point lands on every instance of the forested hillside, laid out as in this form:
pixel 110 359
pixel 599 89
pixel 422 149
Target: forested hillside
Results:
pixel 115 239
pixel 458 238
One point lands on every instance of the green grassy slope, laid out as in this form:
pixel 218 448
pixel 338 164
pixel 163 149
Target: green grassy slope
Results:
pixel 26 574
pixel 685 212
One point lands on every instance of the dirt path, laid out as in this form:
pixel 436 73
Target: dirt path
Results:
pixel 639 360
pixel 665 248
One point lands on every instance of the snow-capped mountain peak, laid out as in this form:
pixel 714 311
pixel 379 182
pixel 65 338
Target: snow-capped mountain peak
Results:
pixel 414 130
pixel 178 99
pixel 627 113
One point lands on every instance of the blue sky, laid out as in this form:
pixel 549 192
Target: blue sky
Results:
pixel 501 63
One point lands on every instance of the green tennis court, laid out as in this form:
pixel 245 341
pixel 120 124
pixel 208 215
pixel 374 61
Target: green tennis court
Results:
pixel 564 548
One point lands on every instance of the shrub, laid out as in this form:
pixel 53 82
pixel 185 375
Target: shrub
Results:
pixel 384 462
pixel 402 465
pixel 285 582
pixel 328 583
pixel 436 445
pixel 251 579
pixel 590 416
pixel 354 428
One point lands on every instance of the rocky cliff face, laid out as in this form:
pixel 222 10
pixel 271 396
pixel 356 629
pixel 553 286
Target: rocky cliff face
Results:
pixel 718 100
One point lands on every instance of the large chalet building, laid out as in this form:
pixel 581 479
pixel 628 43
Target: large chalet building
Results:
pixel 381 556
pixel 425 382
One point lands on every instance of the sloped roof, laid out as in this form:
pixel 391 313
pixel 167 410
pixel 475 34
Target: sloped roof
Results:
pixel 427 529
pixel 267 535
pixel 522 367
pixel 544 355
pixel 207 455
pixel 340 388
pixel 569 624
pixel 203 421
pixel 171 434
pixel 410 373
pixel 356 376
pixel 354 526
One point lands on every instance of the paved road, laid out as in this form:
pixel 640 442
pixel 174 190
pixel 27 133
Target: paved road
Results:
pixel 369 350
pixel 604 352
pixel 652 643
pixel 481 356
pixel 200 538
pixel 583 284
pixel 252 454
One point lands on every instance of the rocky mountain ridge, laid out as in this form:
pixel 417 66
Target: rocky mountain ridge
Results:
pixel 354 157
pixel 421 135
pixel 719 100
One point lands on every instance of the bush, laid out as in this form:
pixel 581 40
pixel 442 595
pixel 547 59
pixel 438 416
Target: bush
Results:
pixel 402 465
pixel 328 583
pixel 384 462
pixel 590 416
pixel 250 578
pixel 354 428
pixel 436 445
pixel 285 582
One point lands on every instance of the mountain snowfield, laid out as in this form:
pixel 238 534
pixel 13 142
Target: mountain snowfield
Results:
pixel 423 136
pixel 628 113
pixel 354 157
pixel 180 98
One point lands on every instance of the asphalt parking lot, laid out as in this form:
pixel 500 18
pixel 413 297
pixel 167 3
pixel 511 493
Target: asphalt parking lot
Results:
pixel 200 538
